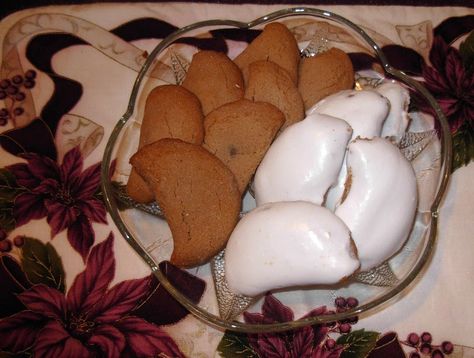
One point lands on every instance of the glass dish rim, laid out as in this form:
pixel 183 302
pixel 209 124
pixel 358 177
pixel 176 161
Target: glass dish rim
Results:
pixel 446 159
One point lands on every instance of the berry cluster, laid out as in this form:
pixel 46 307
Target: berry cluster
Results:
pixel 6 244
pixel 342 305
pixel 11 88
pixel 424 346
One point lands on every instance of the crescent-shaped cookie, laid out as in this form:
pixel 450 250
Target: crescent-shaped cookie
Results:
pixel 197 193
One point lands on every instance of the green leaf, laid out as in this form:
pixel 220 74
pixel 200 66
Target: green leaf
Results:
pixel 466 50
pixel 357 344
pixel 235 345
pixel 463 146
pixel 42 264
pixel 9 190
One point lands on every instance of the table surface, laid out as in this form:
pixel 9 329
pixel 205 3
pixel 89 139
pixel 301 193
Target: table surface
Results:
pixel 71 285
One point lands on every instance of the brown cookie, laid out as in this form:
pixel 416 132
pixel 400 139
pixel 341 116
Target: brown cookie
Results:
pixel 277 44
pixel 324 74
pixel 270 83
pixel 171 111
pixel 239 134
pixel 198 194
pixel 214 79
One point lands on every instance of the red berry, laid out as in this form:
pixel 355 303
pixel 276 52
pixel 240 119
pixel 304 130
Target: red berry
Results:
pixel 18 111
pixel 17 79
pixel 20 96
pixel 4 83
pixel 330 343
pixel 413 339
pixel 3 94
pixel 19 241
pixel 29 84
pixel 352 302
pixel 5 245
pixel 426 337
pixel 345 328
pixel 30 74
pixel 414 355
pixel 3 235
pixel 3 121
pixel 447 347
pixel 340 302
pixel 426 348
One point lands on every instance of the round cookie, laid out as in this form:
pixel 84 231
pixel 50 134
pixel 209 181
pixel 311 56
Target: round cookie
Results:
pixel 214 79
pixel 171 111
pixel 270 83
pixel 239 134
pixel 198 194
pixel 324 74
pixel 277 44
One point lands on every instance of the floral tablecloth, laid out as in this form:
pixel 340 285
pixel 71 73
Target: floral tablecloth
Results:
pixel 70 286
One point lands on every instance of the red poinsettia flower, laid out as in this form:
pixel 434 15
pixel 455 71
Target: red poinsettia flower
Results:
pixel 64 194
pixel 450 83
pixel 308 342
pixel 90 320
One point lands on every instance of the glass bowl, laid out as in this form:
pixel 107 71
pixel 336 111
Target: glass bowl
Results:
pixel 427 145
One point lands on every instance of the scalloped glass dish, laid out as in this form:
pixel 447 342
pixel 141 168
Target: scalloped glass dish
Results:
pixel 427 145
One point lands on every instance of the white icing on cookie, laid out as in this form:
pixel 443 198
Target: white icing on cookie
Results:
pixel 381 203
pixel 397 120
pixel 288 244
pixel 303 162
pixel 365 111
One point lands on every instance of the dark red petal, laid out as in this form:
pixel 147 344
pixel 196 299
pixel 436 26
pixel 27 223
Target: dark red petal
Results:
pixel 42 167
pixel 120 300
pixel 91 284
pixel 276 310
pixel 28 207
pixel 272 346
pixel 147 340
pixel 303 342
pixel 45 300
pixel 438 53
pixel 55 341
pixel 435 82
pixel 88 182
pixel 19 331
pixel 448 105
pixel 81 236
pixel 23 175
pixel 257 318
pixel 60 217
pixel 71 166
pixel 47 186
pixel 454 70
pixel 109 339
pixel 94 209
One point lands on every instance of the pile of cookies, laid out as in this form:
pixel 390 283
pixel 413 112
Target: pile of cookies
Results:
pixel 201 142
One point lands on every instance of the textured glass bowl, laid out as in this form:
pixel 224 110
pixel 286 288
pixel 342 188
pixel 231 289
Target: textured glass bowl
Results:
pixel 431 158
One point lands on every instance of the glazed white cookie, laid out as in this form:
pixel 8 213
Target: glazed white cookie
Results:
pixel 397 120
pixel 303 162
pixel 365 111
pixel 382 199
pixel 288 244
